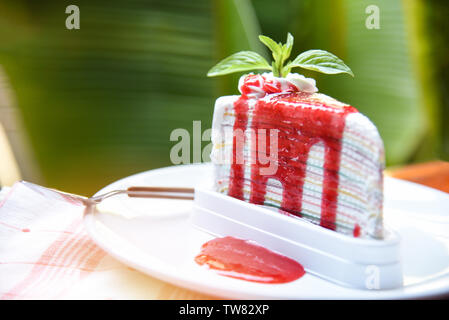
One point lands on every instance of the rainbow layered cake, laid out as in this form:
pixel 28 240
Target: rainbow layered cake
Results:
pixel 283 145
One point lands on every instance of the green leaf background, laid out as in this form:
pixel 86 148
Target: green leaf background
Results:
pixel 99 103
pixel 394 82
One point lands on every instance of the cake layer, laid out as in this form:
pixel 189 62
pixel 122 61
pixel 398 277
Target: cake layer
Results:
pixel 328 161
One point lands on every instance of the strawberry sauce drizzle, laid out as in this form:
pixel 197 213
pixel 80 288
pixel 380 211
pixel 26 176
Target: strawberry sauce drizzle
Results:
pixel 301 123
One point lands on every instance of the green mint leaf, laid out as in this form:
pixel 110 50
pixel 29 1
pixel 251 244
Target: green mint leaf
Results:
pixel 286 51
pixel 275 70
pixel 275 48
pixel 286 70
pixel 287 48
pixel 240 61
pixel 321 61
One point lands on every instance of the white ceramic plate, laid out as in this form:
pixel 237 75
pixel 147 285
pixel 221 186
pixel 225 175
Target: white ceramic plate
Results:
pixel 156 237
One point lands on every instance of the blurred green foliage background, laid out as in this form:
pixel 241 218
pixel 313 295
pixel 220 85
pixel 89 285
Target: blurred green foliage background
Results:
pixel 99 103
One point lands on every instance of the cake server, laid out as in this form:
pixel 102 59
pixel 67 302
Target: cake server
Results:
pixel 135 192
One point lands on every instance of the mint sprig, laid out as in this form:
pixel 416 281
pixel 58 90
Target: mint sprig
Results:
pixel 316 60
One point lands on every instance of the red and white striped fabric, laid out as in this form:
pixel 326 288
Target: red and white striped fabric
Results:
pixel 46 254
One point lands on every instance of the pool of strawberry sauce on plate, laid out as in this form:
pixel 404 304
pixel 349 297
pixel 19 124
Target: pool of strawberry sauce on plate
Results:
pixel 246 260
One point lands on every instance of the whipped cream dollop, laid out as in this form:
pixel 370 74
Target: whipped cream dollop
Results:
pixel 258 85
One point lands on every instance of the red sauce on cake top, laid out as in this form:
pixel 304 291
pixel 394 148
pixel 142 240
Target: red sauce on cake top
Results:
pixel 302 120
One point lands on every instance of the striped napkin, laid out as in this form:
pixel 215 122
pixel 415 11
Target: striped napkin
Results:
pixel 46 254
